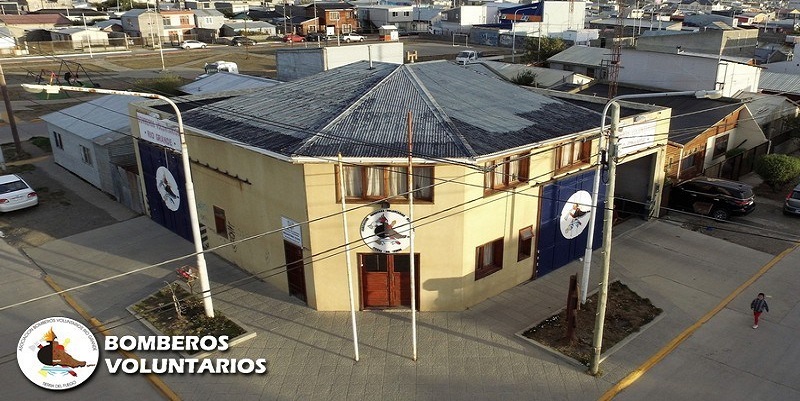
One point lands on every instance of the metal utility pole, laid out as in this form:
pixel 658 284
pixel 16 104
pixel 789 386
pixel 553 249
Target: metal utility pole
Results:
pixel 11 122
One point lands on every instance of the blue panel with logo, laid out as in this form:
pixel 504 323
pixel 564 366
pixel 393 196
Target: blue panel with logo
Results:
pixel 564 217
pixel 162 172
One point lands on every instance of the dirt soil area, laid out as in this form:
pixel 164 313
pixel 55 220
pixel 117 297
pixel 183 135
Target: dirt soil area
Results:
pixel 626 313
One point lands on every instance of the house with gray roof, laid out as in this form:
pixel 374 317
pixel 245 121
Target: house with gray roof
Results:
pixel 486 171
pixel 92 140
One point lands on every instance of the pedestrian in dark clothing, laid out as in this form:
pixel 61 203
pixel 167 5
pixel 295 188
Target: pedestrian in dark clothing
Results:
pixel 758 305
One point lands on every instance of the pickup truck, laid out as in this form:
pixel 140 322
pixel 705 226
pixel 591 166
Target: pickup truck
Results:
pixel 465 57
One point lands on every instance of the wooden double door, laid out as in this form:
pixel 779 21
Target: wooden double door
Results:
pixel 386 280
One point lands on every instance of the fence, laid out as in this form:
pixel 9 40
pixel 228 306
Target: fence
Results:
pixel 114 44
pixel 734 167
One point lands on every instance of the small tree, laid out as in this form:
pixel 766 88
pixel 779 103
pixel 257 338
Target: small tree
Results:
pixel 540 49
pixel 777 170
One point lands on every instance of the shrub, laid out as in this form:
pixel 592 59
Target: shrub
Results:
pixel 777 170
pixel 167 85
pixel 526 78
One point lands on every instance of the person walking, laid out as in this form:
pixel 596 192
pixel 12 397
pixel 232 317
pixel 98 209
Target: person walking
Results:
pixel 758 305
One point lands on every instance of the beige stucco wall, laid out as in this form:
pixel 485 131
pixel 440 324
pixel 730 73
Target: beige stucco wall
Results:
pixel 255 191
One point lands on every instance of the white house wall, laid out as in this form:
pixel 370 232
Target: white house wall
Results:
pixel 71 156
pixel 674 72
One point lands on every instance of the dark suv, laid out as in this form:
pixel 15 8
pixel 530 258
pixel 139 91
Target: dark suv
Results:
pixel 242 40
pixel 714 197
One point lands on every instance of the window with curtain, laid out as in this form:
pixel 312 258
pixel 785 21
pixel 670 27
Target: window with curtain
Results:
pixel 379 182
pixel 489 258
pixel 506 172
pixel 572 154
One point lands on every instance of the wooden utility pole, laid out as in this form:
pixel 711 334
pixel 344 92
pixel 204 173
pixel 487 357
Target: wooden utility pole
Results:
pixel 11 122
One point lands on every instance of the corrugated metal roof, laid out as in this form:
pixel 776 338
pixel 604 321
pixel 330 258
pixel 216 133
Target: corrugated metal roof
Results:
pixel 361 112
pixel 582 55
pixel 779 82
pixel 207 13
pixel 545 77
pixel 35 19
pixel 767 108
pixel 225 81
pixel 690 116
pixel 106 115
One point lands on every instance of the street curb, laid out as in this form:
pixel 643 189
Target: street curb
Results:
pixel 154 380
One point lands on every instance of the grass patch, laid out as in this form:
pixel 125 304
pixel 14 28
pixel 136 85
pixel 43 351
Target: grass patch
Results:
pixel 19 169
pixel 159 310
pixel 626 313
pixel 42 143
pixel 10 153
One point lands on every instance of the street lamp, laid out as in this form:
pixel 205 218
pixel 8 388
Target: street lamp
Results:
pixel 514 32
pixel 190 200
pixel 611 151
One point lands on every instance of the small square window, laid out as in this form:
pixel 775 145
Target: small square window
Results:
pixel 525 243
pixel 488 258
pixel 220 222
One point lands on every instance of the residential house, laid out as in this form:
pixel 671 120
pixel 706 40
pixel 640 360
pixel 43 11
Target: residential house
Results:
pixel 773 113
pixel 93 141
pixel 142 23
pixel 495 182
pixel 702 132
pixel 295 63
pixel 459 20
pixel 76 15
pixel 176 23
pixel 334 18
pixel 35 5
pixel 80 37
pixel 209 19
pixel 424 19
pixel 585 60
pixel 20 25
pixel 696 6
pixel 371 17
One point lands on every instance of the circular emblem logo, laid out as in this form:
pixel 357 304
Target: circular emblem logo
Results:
pixel 168 188
pixel 575 215
pixel 386 231
pixel 57 353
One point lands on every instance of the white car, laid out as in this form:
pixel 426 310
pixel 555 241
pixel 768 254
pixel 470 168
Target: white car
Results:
pixel 192 44
pixel 16 194
pixel 352 37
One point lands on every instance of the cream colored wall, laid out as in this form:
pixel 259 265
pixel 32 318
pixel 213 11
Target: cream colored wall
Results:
pixel 437 242
pixel 275 189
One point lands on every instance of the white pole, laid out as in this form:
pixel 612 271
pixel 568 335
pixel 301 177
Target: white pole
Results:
pixel 597 342
pixel 347 256
pixel 587 256
pixel 410 184
pixel 88 37
pixel 514 37
pixel 190 198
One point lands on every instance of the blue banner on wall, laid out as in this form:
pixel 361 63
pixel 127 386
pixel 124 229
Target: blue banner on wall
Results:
pixel 563 222
pixel 162 172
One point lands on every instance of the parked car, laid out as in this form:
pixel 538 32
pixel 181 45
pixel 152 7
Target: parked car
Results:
pixel 352 37
pixel 315 37
pixel 792 204
pixel 192 44
pixel 242 40
pixel 292 37
pixel 16 194
pixel 714 197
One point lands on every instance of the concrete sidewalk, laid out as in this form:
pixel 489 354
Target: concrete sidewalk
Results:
pixel 462 355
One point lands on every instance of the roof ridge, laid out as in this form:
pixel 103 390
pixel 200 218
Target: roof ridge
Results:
pixel 439 112
pixel 345 113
